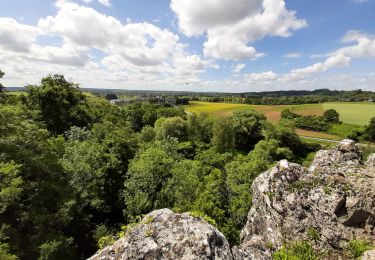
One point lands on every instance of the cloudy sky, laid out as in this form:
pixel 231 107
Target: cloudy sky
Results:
pixel 205 45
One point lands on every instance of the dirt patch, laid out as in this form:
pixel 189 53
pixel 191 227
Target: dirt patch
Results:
pixel 308 133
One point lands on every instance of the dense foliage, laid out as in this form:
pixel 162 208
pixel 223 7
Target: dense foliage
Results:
pixel 74 168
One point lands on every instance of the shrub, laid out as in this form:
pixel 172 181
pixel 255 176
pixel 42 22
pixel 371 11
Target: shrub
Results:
pixel 296 251
pixel 204 216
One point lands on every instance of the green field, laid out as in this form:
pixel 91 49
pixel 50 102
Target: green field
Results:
pixel 353 113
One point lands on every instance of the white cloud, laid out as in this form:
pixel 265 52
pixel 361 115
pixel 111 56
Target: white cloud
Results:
pixel 293 55
pixel 231 27
pixel 331 62
pixel 238 67
pixel 15 36
pixel 364 47
pixel 103 2
pixel 135 53
pixel 262 78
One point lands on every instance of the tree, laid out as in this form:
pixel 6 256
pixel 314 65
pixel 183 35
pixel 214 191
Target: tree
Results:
pixel 223 135
pixel 60 102
pixel 331 116
pixel 248 129
pixel 1 76
pixel 369 132
pixel 147 175
pixel 2 94
pixel 110 96
pixel 173 127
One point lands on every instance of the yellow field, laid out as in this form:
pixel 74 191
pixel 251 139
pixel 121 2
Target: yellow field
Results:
pixel 271 112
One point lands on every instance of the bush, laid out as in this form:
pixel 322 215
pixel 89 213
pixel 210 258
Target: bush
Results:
pixel 204 216
pixel 296 251
pixel 331 116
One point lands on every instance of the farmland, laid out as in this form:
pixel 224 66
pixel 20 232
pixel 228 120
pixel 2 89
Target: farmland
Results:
pixel 350 113
pixel 353 113
pixel 271 112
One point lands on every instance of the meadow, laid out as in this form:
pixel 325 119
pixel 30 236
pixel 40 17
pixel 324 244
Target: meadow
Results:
pixel 353 113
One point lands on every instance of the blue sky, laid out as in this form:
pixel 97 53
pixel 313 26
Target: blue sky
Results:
pixel 210 45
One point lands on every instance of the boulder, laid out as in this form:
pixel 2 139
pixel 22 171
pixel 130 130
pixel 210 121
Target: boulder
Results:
pixel 369 255
pixel 163 234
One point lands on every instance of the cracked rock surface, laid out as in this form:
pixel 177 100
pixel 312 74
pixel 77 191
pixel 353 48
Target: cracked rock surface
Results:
pixel 163 234
pixel 334 199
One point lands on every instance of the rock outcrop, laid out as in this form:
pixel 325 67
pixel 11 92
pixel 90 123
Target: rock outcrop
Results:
pixel 163 234
pixel 329 204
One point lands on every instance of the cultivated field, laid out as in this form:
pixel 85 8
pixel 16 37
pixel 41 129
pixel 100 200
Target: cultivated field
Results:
pixel 353 113
pixel 350 113
pixel 271 112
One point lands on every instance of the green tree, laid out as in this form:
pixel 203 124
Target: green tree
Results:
pixel 60 102
pixel 2 89
pixel 331 116
pixel 248 129
pixel 223 135
pixel 1 86
pixel 147 174
pixel 173 127
pixel 369 132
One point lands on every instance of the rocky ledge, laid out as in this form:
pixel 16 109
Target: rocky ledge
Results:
pixel 333 201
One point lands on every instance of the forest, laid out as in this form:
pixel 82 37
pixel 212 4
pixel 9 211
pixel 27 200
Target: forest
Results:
pixel 76 170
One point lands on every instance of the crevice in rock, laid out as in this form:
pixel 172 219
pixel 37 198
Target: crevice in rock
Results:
pixel 358 219
pixel 340 209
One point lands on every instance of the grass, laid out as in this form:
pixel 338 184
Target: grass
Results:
pixel 356 248
pixel 343 130
pixel 358 113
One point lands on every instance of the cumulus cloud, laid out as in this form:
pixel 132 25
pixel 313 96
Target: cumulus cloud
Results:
pixel 331 62
pixel 262 78
pixel 231 27
pixel 131 52
pixel 238 67
pixel 16 37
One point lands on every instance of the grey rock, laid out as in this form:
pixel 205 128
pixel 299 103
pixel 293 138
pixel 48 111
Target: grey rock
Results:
pixel 369 255
pixel 163 234
pixel 334 198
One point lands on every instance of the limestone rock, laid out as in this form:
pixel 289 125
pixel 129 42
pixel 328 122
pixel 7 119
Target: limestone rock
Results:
pixel 330 203
pixel 369 255
pixel 163 234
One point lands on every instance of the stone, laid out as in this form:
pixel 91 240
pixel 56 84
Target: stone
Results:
pixel 163 234
pixel 334 198
pixel 369 255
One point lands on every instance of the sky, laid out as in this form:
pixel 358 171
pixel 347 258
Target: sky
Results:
pixel 189 45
